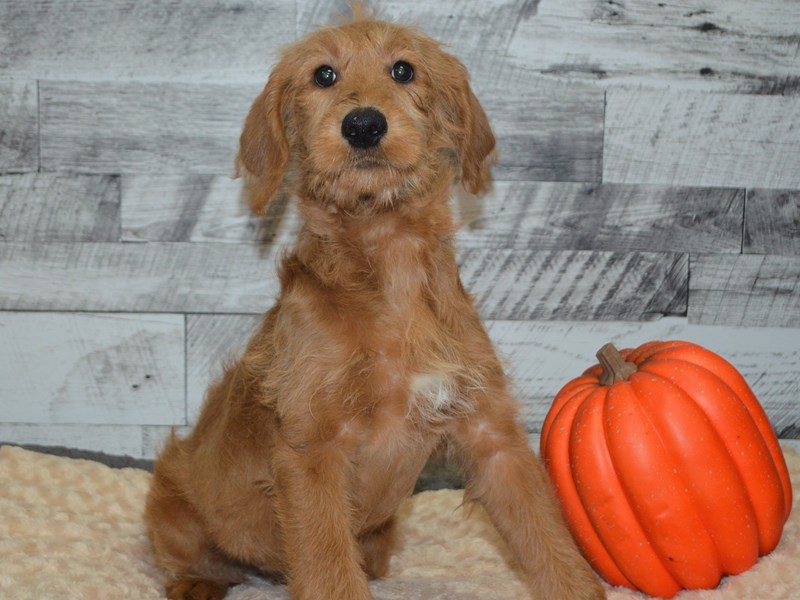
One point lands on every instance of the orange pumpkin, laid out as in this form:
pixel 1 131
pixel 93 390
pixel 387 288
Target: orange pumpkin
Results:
pixel 666 467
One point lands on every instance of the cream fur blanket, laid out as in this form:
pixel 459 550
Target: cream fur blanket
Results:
pixel 72 529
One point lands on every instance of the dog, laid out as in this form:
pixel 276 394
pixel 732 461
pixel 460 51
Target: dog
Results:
pixel 373 357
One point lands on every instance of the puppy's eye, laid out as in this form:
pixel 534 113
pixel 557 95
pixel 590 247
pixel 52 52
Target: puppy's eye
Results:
pixel 325 76
pixel 402 72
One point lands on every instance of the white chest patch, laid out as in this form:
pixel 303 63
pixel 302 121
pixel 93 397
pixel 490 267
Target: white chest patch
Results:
pixel 434 396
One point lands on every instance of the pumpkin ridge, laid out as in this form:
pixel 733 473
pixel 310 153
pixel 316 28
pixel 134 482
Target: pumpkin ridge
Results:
pixel 670 584
pixel 717 497
pixel 655 505
pixel 595 503
pixel 559 467
pixel 559 405
pixel 756 460
pixel 647 351
pixel 731 376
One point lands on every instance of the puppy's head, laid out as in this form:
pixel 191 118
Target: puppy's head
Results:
pixel 362 116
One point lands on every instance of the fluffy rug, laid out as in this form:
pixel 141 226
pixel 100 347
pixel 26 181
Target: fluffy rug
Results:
pixel 72 529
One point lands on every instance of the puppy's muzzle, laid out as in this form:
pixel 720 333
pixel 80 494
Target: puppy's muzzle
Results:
pixel 363 128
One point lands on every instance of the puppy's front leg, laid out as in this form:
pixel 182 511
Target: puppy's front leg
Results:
pixel 322 554
pixel 507 479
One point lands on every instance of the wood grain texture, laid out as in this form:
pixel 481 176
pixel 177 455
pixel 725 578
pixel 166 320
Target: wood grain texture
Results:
pixel 211 342
pixel 567 216
pixel 155 436
pixel 767 18
pixel 167 40
pixel 59 207
pixel 19 134
pixel 200 208
pixel 154 277
pixel 240 278
pixel 575 285
pixel 476 31
pixel 119 440
pixel 525 214
pixel 543 356
pixel 546 131
pixel 91 369
pixel 142 127
pixel 702 139
pixel 745 290
pixel 715 45
pixel 551 132
pixel 772 224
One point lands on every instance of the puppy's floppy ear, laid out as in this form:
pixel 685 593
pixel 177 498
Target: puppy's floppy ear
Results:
pixel 467 127
pixel 477 154
pixel 263 147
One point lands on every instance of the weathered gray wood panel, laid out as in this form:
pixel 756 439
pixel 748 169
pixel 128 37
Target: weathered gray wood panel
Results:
pixel 155 436
pixel 767 18
pixel 476 31
pixel 745 290
pixel 716 45
pixel 525 214
pixel 689 138
pixel 142 127
pixel 772 224
pixel 199 208
pixel 19 134
pixel 543 357
pixel 240 278
pixel 562 216
pixel 170 40
pixel 153 277
pixel 59 207
pixel 120 440
pixel 546 131
pixel 211 342
pixel 553 132
pixel 91 369
pixel 575 285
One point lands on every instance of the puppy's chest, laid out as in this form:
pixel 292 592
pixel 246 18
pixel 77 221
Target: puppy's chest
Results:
pixel 407 424
pixel 423 395
pixel 433 397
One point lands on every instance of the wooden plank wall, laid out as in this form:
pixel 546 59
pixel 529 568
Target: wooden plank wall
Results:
pixel 648 188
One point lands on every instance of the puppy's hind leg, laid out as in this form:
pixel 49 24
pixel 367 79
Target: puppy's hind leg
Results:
pixel 197 571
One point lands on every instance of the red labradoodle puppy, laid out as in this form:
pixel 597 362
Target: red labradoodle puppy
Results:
pixel 373 356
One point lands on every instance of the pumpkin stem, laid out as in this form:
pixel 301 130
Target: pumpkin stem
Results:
pixel 614 366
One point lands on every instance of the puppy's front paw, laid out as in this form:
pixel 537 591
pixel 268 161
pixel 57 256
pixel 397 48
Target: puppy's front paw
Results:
pixel 585 588
pixel 576 583
pixel 196 589
pixel 597 592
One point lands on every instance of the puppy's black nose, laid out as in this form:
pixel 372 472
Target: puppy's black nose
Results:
pixel 364 127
